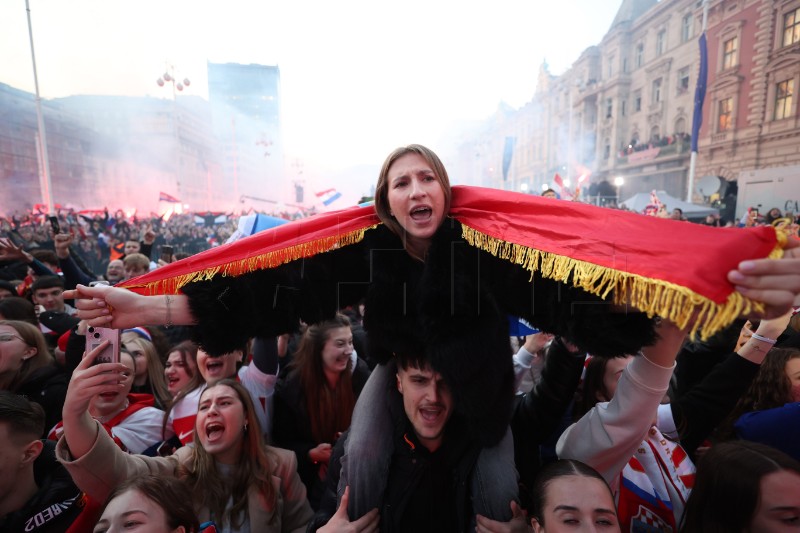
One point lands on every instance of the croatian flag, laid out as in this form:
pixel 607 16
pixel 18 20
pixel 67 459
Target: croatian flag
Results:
pixel 164 197
pixel 327 197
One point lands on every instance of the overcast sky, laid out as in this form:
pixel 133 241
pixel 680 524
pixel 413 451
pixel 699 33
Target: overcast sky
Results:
pixel 358 77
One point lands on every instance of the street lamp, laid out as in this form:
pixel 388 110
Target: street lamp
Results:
pixel 169 77
pixel 619 181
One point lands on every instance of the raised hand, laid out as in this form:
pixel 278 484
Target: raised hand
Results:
pixel 340 522
pixel 11 252
pixel 517 524
pixel 87 381
pixel 776 283
pixel 106 306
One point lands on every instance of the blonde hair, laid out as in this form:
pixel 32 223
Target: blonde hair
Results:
pixel 32 336
pixel 136 260
pixel 155 370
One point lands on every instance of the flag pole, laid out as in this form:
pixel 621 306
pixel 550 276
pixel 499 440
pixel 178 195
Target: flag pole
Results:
pixel 41 142
pixel 699 96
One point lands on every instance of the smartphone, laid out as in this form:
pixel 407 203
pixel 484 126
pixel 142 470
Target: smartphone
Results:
pixel 54 224
pixel 95 336
pixel 166 253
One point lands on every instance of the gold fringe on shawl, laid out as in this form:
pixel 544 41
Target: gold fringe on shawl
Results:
pixel 258 262
pixel 652 296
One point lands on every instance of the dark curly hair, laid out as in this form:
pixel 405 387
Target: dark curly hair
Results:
pixel 770 388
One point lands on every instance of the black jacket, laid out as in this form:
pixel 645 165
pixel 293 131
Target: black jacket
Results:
pixel 291 427
pixel 56 505
pixel 425 492
pixel 539 413
pixel 453 306
pixel 47 386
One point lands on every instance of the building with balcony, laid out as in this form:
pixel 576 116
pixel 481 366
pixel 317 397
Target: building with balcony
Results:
pixel 624 108
pixel 750 117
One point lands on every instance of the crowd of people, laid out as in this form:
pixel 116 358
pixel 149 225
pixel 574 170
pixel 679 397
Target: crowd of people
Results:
pixel 299 398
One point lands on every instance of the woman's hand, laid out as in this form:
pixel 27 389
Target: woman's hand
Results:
pixel 340 522
pixel 113 307
pixel 321 454
pixel 776 283
pixel 106 306
pixel 87 381
pixel 517 524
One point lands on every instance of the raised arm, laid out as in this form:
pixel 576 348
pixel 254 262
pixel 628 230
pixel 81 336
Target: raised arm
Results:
pixel 88 380
pixel 776 283
pixel 607 436
pixel 106 306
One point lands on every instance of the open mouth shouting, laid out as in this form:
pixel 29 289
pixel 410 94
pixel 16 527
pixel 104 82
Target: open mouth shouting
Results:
pixel 422 213
pixel 214 432
pixel 215 367
pixel 433 414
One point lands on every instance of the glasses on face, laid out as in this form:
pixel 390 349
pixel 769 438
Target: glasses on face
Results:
pixel 8 337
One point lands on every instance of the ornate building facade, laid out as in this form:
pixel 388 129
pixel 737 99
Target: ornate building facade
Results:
pixel 624 109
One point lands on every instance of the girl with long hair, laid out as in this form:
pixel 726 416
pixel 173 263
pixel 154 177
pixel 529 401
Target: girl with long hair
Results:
pixel 744 486
pixel 769 412
pixel 28 368
pixel 313 406
pixel 149 377
pixel 236 480
pixel 181 370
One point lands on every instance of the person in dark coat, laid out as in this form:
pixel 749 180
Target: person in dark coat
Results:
pixel 314 403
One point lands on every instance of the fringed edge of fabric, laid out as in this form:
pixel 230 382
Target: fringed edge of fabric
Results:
pixel 679 304
pixel 263 261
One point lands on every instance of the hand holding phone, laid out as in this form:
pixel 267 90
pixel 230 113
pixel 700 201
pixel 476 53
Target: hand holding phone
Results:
pixel 95 337
pixel 54 225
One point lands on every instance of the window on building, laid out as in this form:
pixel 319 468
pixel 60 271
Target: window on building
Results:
pixel 725 115
pixel 625 65
pixel 784 98
pixel 656 91
pixel 661 38
pixel 655 134
pixel 687 27
pixel 610 68
pixel 609 107
pixel 607 150
pixel 622 107
pixel 730 53
pixel 791 27
pixel 683 80
pixel 639 54
pixel 680 126
pixel 637 101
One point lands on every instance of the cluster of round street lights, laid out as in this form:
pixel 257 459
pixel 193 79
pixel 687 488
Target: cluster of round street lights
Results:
pixel 168 78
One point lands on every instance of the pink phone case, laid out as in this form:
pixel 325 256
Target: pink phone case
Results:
pixel 95 336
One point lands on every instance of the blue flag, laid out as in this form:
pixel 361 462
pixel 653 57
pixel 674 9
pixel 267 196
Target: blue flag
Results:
pixel 700 92
pixel 508 153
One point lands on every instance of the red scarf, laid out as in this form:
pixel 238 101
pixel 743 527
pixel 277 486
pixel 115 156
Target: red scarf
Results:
pixel 674 269
pixel 136 402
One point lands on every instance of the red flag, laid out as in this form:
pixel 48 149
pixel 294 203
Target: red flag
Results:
pixel 664 267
